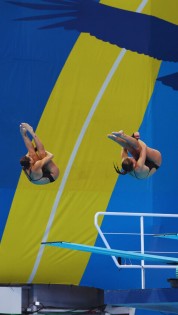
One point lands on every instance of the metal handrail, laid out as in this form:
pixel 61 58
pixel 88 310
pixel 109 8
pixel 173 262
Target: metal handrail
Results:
pixel 142 265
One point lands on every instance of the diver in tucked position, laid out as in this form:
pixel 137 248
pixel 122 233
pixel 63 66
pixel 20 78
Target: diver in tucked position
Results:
pixel 37 163
pixel 144 161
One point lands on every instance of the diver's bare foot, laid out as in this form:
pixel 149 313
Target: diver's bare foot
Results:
pixel 23 130
pixel 119 134
pixel 27 127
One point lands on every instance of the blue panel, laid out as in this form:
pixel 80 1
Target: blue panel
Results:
pixel 163 300
pixel 159 194
pixel 5 203
pixel 30 64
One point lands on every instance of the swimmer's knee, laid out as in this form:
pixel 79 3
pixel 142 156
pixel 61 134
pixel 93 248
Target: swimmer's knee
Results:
pixel 41 154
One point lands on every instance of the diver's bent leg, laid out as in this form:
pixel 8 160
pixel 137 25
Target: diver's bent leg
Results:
pixel 39 146
pixel 154 155
pixel 132 142
pixel 38 143
pixel 53 169
pixel 28 144
pixel 119 141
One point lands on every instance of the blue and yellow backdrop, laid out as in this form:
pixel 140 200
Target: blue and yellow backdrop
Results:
pixel 77 70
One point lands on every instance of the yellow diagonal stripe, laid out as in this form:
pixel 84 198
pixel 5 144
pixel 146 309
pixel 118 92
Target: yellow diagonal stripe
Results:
pixel 92 179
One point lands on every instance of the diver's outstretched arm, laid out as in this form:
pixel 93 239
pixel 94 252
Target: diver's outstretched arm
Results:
pixel 142 156
pixel 40 163
pixel 124 154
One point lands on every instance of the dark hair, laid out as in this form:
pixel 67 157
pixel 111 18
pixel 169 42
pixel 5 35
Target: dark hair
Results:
pixel 25 162
pixel 127 166
pixel 118 170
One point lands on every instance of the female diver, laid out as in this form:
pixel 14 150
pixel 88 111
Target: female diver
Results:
pixel 37 163
pixel 144 161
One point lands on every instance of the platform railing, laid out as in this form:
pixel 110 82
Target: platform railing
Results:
pixel 141 216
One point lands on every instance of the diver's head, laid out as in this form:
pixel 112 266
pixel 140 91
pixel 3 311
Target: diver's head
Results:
pixel 128 164
pixel 25 162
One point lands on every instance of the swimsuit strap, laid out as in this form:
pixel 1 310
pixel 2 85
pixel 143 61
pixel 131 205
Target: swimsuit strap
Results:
pixel 28 176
